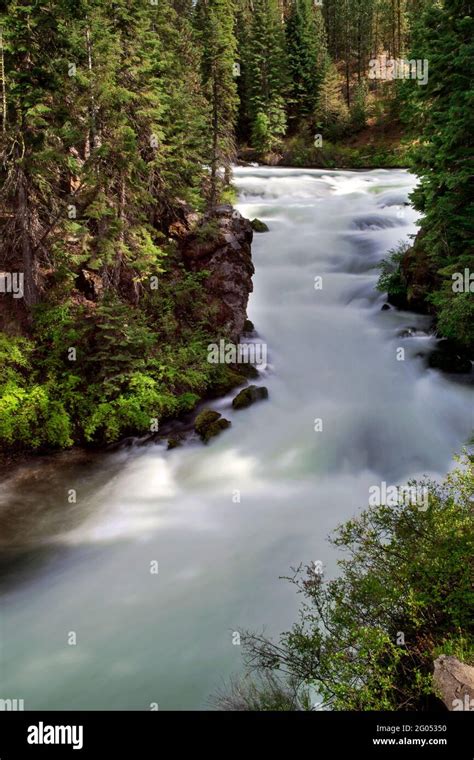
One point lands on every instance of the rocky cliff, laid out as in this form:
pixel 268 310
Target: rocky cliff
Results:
pixel 221 245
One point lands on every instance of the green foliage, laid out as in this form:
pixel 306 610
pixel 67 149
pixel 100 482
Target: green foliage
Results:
pixel 306 45
pixel 443 112
pixel 214 21
pixel 264 75
pixel 366 640
pixel 269 127
pixel 455 314
pixel 332 114
pixel 359 109
pixel 132 366
pixel 392 280
pixel 97 160
pixel 301 151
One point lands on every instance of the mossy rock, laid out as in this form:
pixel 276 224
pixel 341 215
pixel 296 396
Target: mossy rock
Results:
pixel 249 327
pixel 173 443
pixel 226 380
pixel 259 226
pixel 216 428
pixel 204 419
pixel 249 396
pixel 249 371
pixel 210 423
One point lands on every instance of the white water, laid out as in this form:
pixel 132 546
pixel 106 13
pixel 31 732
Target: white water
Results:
pixel 167 638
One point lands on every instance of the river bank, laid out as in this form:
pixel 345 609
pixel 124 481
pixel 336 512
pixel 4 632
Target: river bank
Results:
pixel 225 521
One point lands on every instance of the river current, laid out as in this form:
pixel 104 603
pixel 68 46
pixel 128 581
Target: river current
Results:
pixel 131 597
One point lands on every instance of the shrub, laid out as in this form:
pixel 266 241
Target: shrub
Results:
pixel 366 640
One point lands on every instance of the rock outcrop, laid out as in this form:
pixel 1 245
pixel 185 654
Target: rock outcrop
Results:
pixel 249 396
pixel 210 423
pixel 221 245
pixel 454 682
pixel 259 226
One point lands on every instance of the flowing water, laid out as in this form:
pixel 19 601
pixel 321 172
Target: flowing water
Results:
pixel 82 571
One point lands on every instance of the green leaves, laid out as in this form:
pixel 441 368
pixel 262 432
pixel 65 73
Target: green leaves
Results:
pixel 366 640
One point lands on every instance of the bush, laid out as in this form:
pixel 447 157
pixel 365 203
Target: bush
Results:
pixel 366 640
pixel 391 279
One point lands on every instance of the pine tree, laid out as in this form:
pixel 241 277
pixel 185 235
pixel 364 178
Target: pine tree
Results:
pixel 215 26
pixel 306 45
pixel 265 68
pixel 444 113
pixel 332 114
pixel 33 140
pixel 358 111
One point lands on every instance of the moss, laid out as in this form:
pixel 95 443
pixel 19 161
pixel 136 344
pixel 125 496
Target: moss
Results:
pixel 210 423
pixel 174 443
pixel 249 395
pixel 224 380
pixel 216 428
pixel 259 226
pixel 205 419
pixel 249 371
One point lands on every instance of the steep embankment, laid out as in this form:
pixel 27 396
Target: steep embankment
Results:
pixel 96 362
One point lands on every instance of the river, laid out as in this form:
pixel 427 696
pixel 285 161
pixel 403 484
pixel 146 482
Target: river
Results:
pixel 84 623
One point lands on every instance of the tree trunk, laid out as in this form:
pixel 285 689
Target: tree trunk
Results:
pixel 92 139
pixel 399 22
pixel 28 260
pixel 121 214
pixel 215 138
pixel 4 91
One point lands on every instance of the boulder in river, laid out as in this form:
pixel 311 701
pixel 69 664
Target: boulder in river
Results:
pixel 259 226
pixel 250 371
pixel 226 380
pixel 450 358
pixel 210 423
pixel 249 395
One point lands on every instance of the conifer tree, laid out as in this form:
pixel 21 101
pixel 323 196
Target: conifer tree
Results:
pixel 33 153
pixel 306 45
pixel 332 114
pixel 266 73
pixel 444 113
pixel 215 25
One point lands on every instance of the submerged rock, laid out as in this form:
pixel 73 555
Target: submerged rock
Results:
pixel 249 395
pixel 210 423
pixel 259 226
